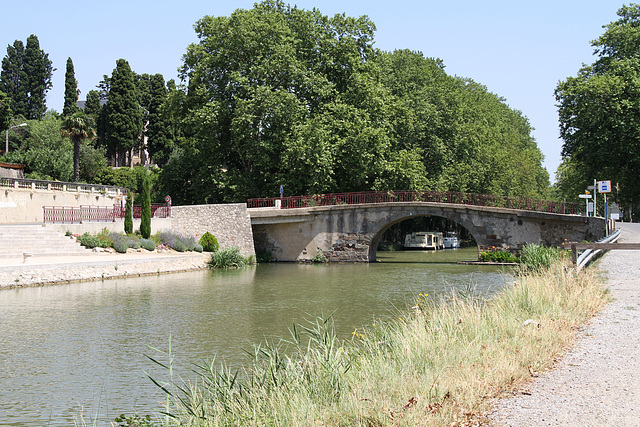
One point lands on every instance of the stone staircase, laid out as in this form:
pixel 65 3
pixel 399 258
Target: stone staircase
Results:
pixel 34 239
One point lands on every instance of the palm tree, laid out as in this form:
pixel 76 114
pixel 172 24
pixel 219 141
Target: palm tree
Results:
pixel 78 127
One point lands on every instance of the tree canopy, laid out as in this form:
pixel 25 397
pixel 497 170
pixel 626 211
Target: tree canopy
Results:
pixel 277 95
pixel 26 78
pixel 123 114
pixel 70 90
pixel 599 112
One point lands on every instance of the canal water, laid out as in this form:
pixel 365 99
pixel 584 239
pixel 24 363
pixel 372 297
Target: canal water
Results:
pixel 77 353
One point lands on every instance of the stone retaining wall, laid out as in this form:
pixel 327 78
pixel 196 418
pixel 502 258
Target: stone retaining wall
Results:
pixel 230 223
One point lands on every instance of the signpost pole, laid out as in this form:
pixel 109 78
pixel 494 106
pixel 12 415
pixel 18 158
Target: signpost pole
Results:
pixel 595 191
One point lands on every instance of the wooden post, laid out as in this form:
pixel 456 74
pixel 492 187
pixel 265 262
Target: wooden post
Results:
pixel 574 254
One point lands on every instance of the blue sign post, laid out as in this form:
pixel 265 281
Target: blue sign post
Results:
pixel 281 191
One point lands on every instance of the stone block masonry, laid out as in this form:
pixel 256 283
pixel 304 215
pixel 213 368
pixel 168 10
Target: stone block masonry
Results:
pixel 230 223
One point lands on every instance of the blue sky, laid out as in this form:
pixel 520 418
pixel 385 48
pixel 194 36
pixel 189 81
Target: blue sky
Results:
pixel 519 50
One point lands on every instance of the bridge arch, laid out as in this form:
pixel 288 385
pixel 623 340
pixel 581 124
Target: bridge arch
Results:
pixel 402 216
pixel 352 232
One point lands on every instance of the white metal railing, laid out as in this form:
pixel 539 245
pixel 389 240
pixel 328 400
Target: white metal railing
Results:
pixel 74 187
pixel 588 254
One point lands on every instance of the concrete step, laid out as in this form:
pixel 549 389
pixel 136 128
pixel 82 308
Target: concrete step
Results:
pixel 36 240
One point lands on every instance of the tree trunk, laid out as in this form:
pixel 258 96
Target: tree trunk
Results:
pixel 76 160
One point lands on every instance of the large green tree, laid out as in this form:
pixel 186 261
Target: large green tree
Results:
pixel 599 113
pixel 13 78
pixel 123 115
pixel 70 91
pixel 277 95
pixel 160 143
pixel 26 77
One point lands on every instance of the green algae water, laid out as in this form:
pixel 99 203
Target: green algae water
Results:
pixel 75 353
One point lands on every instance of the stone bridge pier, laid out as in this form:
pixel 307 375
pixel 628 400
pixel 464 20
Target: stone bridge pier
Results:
pixel 352 232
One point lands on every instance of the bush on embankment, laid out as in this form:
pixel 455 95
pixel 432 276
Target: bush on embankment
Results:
pixel 440 364
pixel 229 258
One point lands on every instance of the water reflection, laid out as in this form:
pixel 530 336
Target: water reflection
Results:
pixel 82 345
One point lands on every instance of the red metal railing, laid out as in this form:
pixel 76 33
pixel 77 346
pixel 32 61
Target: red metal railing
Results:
pixel 80 214
pixel 419 196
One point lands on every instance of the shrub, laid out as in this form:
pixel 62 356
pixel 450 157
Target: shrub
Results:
pixel 498 256
pixel 538 258
pixel 209 242
pixel 175 241
pixel 228 257
pixel 89 241
pixel 319 257
pixel 189 243
pixel 134 243
pixel 104 238
pixel 197 247
pixel 147 244
pixel 121 246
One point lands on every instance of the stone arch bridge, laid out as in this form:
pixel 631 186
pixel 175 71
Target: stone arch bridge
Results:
pixel 348 231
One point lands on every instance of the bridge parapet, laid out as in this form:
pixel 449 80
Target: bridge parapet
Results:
pixel 368 197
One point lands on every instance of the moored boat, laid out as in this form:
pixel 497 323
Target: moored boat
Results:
pixel 451 240
pixel 424 240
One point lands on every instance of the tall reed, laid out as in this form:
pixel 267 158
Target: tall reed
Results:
pixel 441 363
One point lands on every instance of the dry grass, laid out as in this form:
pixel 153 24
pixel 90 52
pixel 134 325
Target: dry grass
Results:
pixel 442 364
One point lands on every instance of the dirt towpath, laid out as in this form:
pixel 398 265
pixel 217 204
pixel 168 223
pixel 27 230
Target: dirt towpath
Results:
pixel 598 382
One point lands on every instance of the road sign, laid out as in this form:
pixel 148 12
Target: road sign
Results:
pixel 604 186
pixel 584 196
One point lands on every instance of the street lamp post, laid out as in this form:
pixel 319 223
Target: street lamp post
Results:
pixel 6 136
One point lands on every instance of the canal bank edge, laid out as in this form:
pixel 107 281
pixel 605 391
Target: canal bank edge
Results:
pixel 68 269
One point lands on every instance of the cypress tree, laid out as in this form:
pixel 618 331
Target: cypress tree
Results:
pixel 13 78
pixel 38 69
pixel 160 145
pixel 70 91
pixel 123 114
pixel 128 214
pixel 26 78
pixel 145 202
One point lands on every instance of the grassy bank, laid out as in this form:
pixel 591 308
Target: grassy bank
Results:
pixel 441 364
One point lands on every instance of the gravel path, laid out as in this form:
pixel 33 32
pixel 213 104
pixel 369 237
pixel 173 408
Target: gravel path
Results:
pixel 598 382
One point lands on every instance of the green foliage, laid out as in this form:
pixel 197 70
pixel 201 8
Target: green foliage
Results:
pixel 319 257
pixel 227 258
pixel 78 127
pixel 316 108
pixel 198 247
pixel 599 111
pixel 134 421
pixel 148 244
pixel 537 258
pixel 145 208
pixel 498 256
pixel 123 113
pixel 128 214
pixel 160 140
pixel 70 91
pixel 43 150
pixel 209 242
pixel 26 78
pixel 5 111
pixel 89 241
